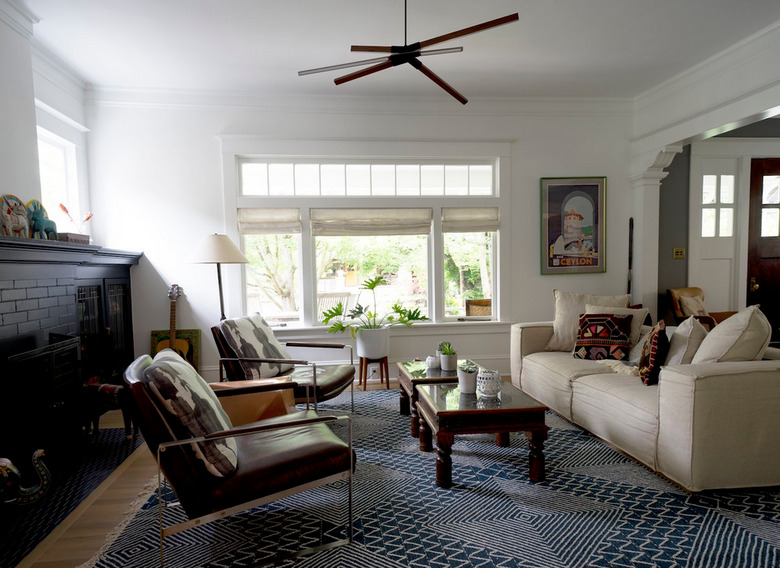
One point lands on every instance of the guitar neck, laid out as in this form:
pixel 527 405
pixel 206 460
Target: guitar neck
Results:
pixel 172 328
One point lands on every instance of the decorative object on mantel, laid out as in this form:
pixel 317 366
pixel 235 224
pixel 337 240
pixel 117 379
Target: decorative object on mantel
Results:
pixel 400 54
pixel 41 227
pixel 78 238
pixel 361 318
pixel 218 249
pixel 14 218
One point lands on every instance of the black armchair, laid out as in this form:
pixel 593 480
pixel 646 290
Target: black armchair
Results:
pixel 217 468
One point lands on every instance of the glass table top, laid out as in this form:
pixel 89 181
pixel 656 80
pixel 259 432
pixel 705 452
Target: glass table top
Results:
pixel 447 397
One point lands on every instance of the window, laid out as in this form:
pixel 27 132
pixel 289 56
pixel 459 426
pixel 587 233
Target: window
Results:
pixel 717 213
pixel 57 163
pixel 314 230
pixel 770 207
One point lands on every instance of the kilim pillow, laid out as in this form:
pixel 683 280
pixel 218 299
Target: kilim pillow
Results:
pixel 194 410
pixel 603 336
pixel 653 355
pixel 252 337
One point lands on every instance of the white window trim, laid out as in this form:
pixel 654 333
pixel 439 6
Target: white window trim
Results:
pixel 235 148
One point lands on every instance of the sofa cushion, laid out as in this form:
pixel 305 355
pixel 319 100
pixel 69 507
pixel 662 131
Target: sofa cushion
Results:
pixel 252 337
pixel 636 323
pixel 547 376
pixel 194 410
pixel 568 308
pixel 742 337
pixel 685 341
pixel 603 336
pixel 653 355
pixel 619 410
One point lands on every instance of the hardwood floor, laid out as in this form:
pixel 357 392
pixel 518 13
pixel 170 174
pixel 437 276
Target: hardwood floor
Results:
pixel 82 534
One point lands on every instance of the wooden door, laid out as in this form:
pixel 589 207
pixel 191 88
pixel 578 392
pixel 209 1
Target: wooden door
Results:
pixel 764 240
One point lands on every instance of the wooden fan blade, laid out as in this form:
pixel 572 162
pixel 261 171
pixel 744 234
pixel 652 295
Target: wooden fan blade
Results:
pixel 343 66
pixel 363 72
pixel 471 30
pixel 376 48
pixel 439 81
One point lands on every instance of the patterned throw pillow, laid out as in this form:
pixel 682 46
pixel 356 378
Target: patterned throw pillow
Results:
pixel 603 336
pixel 653 355
pixel 195 410
pixel 251 336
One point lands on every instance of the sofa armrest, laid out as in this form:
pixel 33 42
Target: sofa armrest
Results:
pixel 718 424
pixel 527 338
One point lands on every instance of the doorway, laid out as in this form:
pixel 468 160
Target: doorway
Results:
pixel 763 275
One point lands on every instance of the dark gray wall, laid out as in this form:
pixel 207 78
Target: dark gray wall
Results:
pixel 673 230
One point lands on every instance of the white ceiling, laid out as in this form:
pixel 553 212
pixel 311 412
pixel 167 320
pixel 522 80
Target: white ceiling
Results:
pixel 559 48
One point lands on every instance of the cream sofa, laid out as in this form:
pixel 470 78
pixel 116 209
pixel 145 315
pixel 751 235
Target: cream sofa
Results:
pixel 703 426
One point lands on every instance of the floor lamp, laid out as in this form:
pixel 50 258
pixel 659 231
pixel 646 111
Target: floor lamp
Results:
pixel 218 249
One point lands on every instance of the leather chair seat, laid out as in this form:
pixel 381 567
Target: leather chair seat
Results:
pixel 331 380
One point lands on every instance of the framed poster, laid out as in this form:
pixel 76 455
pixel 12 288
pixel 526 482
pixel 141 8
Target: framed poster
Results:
pixel 573 225
pixel 187 344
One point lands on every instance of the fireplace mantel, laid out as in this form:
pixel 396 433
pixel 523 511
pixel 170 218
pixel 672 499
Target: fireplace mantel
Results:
pixel 34 251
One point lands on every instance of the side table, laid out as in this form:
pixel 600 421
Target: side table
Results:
pixel 384 371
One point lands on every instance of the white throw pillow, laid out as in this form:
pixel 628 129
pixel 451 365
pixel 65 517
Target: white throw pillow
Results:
pixel 636 322
pixel 742 337
pixel 685 341
pixel 568 308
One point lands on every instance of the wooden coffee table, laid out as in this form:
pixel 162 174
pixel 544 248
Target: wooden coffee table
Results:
pixel 410 375
pixel 444 412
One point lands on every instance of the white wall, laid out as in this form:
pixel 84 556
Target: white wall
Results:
pixel 156 187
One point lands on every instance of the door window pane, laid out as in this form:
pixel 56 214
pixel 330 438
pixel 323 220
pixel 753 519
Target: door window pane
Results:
pixel 727 189
pixel 726 225
pixel 770 222
pixel 708 222
pixel 709 190
pixel 344 262
pixel 272 277
pixel 770 194
pixel 468 272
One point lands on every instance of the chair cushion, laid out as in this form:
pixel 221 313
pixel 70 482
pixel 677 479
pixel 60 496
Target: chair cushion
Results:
pixel 604 336
pixel 252 337
pixel 194 410
pixel 693 306
pixel 742 337
pixel 331 380
pixel 569 307
pixel 685 341
pixel 653 355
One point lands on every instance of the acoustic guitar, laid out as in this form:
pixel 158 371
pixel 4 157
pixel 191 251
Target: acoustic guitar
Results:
pixel 179 345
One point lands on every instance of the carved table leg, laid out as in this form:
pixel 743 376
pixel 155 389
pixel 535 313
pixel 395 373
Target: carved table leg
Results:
pixel 426 442
pixel 444 460
pixel 414 423
pixel 403 402
pixel 502 439
pixel 536 455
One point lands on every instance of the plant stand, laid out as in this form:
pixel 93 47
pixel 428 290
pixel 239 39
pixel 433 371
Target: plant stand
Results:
pixel 384 372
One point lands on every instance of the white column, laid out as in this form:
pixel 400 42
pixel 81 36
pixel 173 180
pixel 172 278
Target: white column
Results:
pixel 646 189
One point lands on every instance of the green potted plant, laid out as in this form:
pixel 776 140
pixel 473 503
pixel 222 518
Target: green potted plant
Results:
pixel 449 357
pixel 369 328
pixel 467 376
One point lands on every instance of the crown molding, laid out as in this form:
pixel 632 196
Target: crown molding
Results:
pixel 19 17
pixel 340 104
pixel 53 69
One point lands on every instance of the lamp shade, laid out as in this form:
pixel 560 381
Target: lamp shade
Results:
pixel 217 249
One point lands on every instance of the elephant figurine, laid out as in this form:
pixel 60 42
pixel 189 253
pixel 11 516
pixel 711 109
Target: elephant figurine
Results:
pixel 10 489
pixel 42 227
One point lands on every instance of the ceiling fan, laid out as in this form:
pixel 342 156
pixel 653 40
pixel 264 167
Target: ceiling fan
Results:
pixel 410 53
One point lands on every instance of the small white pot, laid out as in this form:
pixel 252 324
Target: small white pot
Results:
pixel 432 361
pixel 449 362
pixel 373 343
pixel 489 383
pixel 467 382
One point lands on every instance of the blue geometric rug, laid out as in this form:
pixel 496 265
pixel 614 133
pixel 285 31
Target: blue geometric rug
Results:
pixel 596 508
pixel 87 464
